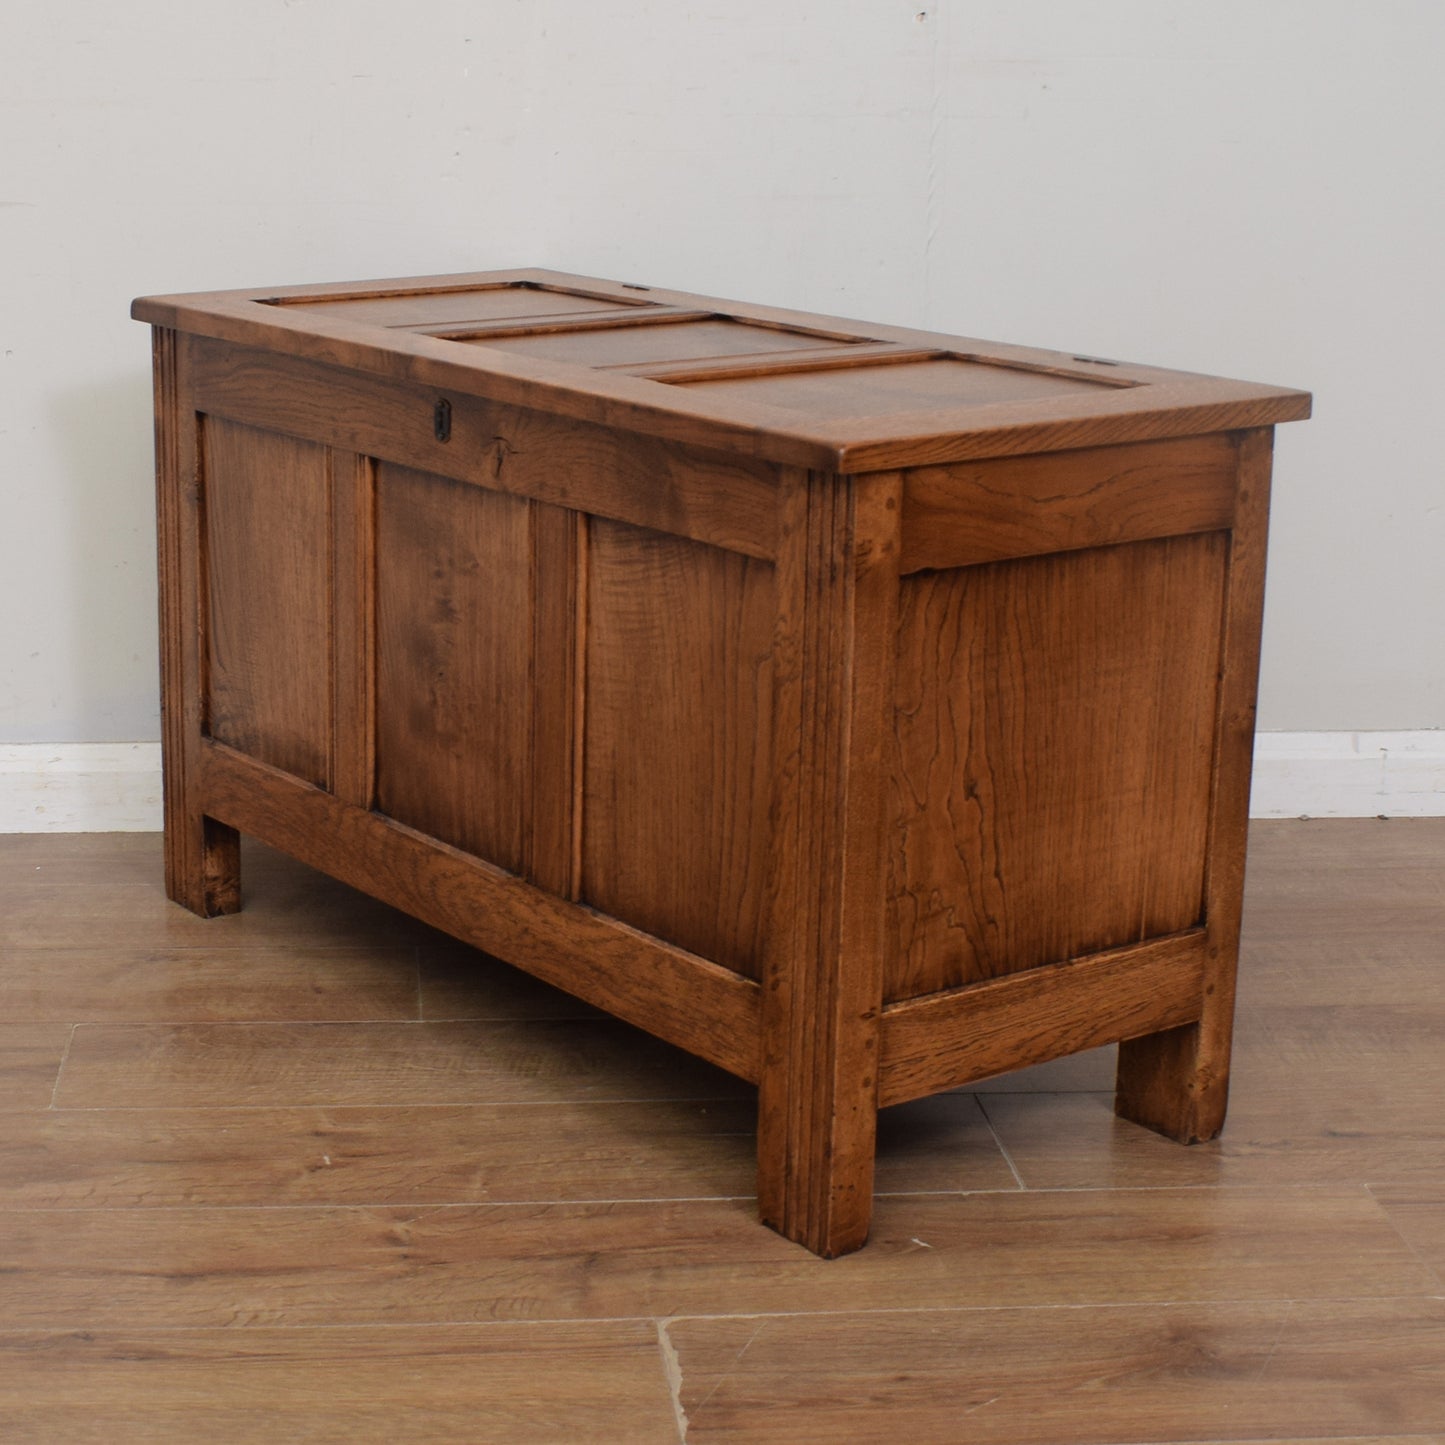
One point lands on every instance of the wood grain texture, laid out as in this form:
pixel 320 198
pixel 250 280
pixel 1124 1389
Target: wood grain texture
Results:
pixel 726 500
pixel 817 1111
pixel 609 682
pixel 353 627
pixel 202 858
pixel 946 1039
pixel 467 1061
pixel 676 756
pixel 454 649
pixel 1096 1377
pixel 181 1154
pixel 380 1264
pixel 990 511
pixel 479 1383
pixel 895 386
pixel 371 980
pixel 1251 1288
pixel 680 340
pixel 1152 402
pixel 1050 758
pixel 558 698
pixel 632 975
pixel 1178 1081
pixel 30 1055
pixel 268 595
pixel 457 305
pixel 418 1155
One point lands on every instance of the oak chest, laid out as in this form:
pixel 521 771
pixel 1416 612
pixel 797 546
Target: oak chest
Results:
pixel 865 710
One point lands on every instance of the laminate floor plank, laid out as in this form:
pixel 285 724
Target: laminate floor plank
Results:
pixel 495 1383
pixel 1183 1372
pixel 130 915
pixel 448 1154
pixel 1074 1141
pixel 145 985
pixel 1419 1215
pixel 94 1268
pixel 468 1062
pixel 470 1200
pixel 463 983
pixel 30 1055
pixel 74 858
pixel 1319 1095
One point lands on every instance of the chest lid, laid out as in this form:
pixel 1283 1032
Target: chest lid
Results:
pixel 791 386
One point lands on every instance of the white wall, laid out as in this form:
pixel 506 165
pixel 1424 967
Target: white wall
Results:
pixel 1250 187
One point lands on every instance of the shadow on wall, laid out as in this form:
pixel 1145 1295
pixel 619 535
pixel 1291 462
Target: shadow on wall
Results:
pixel 108 627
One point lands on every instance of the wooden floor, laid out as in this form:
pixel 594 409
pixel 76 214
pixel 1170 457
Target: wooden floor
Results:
pixel 315 1173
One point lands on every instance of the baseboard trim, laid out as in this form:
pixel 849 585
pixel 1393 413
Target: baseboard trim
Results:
pixel 80 787
pixel 116 787
pixel 1349 775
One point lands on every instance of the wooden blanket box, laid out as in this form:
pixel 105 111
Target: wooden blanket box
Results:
pixel 865 710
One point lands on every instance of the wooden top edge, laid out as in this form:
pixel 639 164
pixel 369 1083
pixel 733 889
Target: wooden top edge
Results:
pixel 1143 403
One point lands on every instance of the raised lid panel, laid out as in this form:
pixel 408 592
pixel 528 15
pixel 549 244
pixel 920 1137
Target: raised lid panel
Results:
pixel 952 399
pixel 894 386
pixel 632 344
pixel 459 307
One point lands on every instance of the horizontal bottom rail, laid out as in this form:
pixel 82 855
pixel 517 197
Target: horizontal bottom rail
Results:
pixel 689 1001
pixel 944 1040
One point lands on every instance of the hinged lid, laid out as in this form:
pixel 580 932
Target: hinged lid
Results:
pixel 798 388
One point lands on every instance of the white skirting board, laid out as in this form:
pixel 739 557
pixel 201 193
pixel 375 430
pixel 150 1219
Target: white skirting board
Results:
pixel 116 787
pixel 80 787
pixel 1349 775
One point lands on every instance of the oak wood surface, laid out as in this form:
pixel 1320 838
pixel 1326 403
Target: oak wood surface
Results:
pixel 892 385
pixel 726 500
pixel 697 736
pixel 823 985
pixel 1133 403
pixel 622 345
pixel 202 857
pixel 1050 758
pixel 676 758
pixel 964 1034
pixel 1029 506
pixel 1178 1081
pixel 453 665
pixel 353 627
pixel 635 976
pixel 558 697
pixel 266 500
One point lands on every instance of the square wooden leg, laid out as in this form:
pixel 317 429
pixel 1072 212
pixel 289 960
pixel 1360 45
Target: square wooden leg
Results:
pixel 203 865
pixel 1173 1083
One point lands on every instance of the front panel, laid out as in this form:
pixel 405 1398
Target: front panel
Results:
pixel 677 752
pixel 266 574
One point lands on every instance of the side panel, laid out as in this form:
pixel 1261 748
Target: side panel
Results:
pixel 266 500
pixel 677 723
pixel 454 637
pixel 1053 726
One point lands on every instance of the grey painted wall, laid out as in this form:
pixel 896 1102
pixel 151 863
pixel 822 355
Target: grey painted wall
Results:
pixel 1248 187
